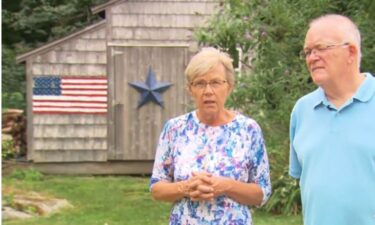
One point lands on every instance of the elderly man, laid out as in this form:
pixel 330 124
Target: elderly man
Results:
pixel 332 129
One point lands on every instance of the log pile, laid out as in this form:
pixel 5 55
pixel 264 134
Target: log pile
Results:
pixel 14 127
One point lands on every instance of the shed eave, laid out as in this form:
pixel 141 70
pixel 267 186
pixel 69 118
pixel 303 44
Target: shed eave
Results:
pixel 102 7
pixel 23 57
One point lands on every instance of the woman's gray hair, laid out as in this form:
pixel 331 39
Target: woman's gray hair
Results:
pixel 205 60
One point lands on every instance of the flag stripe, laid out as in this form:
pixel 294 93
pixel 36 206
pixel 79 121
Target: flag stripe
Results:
pixel 83 92
pixel 63 101
pixel 83 81
pixel 83 95
pixel 69 98
pixel 69 104
pixel 84 77
pixel 69 109
pixel 85 87
pixel 88 82
pixel 68 113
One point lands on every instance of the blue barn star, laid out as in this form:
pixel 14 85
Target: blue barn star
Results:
pixel 150 90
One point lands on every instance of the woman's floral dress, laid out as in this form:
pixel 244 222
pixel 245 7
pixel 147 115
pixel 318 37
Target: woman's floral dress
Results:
pixel 234 150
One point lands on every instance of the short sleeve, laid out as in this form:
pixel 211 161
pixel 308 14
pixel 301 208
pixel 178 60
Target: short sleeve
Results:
pixel 294 165
pixel 260 171
pixel 163 167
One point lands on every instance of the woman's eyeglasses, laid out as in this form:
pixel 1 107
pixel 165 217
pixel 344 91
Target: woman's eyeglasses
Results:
pixel 201 84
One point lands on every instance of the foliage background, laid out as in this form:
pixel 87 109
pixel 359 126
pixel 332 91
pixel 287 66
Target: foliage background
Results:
pixel 271 35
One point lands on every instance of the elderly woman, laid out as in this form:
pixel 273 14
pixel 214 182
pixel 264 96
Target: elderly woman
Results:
pixel 211 162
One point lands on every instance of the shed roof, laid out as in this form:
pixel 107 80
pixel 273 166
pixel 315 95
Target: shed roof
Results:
pixel 46 47
pixel 102 7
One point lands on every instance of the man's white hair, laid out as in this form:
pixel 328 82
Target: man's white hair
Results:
pixel 348 25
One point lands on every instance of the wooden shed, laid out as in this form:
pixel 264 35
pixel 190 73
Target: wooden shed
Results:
pixel 98 98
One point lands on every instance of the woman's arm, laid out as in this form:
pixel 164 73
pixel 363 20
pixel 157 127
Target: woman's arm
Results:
pixel 170 192
pixel 244 193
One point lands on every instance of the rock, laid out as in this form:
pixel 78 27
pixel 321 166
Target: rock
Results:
pixel 31 204
pixel 9 213
pixel 43 205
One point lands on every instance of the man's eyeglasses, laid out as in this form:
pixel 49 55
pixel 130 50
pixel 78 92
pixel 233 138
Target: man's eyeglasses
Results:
pixel 319 48
pixel 201 84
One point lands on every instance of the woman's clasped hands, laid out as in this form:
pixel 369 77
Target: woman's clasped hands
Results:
pixel 203 186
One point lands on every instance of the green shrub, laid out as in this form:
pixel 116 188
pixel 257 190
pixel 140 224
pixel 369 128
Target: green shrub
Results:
pixel 285 198
pixel 13 100
pixel 7 149
pixel 27 175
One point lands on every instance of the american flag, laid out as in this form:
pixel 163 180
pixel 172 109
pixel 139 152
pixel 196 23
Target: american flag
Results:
pixel 70 95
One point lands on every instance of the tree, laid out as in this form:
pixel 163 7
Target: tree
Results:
pixel 27 24
pixel 271 35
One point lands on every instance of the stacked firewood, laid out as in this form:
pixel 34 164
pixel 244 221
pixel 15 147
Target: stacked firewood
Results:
pixel 14 128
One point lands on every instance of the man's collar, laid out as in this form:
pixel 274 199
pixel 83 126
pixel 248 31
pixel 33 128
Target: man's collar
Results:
pixel 366 90
pixel 364 93
pixel 321 99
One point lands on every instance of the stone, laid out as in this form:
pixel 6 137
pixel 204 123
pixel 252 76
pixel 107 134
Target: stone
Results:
pixel 43 205
pixel 31 204
pixel 9 213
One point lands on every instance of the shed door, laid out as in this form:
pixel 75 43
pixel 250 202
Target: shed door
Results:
pixel 134 130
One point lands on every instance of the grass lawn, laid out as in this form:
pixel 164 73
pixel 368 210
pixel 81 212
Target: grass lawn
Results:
pixel 106 200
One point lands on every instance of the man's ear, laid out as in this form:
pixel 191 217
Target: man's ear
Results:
pixel 353 51
pixel 230 87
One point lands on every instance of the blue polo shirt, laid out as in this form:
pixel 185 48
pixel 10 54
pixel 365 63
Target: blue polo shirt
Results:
pixel 333 154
